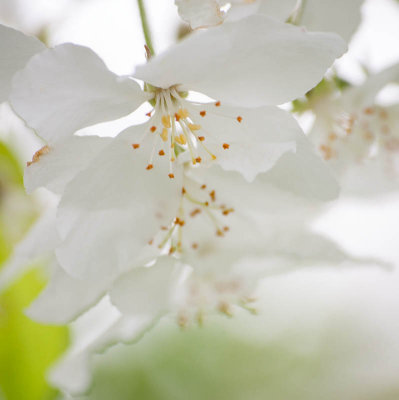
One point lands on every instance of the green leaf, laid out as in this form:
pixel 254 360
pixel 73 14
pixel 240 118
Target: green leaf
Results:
pixel 27 348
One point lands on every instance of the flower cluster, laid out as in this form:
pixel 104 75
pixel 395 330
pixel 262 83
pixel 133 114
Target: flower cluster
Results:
pixel 184 213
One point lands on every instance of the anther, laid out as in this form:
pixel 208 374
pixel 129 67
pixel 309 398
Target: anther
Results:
pixel 149 166
pixel 181 139
pixel 228 211
pixel 194 127
pixel 161 152
pixel 217 104
pixel 149 114
pixel 183 113
pixel 239 119
pixel 38 154
pixel 212 195
pixel 202 113
pixel 171 176
pixel 219 233
pixel 153 129
pixel 164 134
pixel 226 146
pixel 203 187
pixel 177 117
pixel 166 121
pixel 194 246
pixel 198 160
pixel 150 242
pixel 195 212
pixel 226 228
pixel 201 138
pixel 135 145
pixel 183 190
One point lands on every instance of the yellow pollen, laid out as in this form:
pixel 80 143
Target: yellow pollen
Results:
pixel 194 127
pixel 213 157
pixel 166 121
pixel 135 145
pixel 183 113
pixel 164 134
pixel 181 139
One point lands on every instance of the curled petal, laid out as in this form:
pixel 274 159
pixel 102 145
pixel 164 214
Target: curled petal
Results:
pixel 200 13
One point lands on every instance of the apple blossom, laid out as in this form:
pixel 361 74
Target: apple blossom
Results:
pixel 358 136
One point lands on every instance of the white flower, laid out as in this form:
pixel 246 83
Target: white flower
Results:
pixel 116 194
pixel 358 136
pixel 15 50
pixel 340 16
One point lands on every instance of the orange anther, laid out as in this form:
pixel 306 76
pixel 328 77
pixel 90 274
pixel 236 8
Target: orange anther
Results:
pixel 217 104
pixel 161 152
pixel 198 159
pixel 239 119
pixel 149 166
pixel 219 233
pixel 203 187
pixel 171 176
pixel 177 117
pixel 135 145
pixel 201 138
pixel 194 246
pixel 203 113
pixel 212 195
pixel 153 129
pixel 195 212
pixel 226 146
pixel 183 190
pixel 149 114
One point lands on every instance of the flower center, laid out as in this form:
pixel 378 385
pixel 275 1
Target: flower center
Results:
pixel 176 123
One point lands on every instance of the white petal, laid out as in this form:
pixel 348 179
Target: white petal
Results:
pixel 148 290
pixel 304 173
pixel 67 88
pixel 101 327
pixel 37 244
pixel 255 144
pixel 64 297
pixel 340 16
pixel 63 161
pixel 199 13
pixel 15 51
pixel 252 62
pixel 279 9
pixel 112 209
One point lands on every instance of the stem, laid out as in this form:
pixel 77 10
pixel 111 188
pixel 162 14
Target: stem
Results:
pixel 145 26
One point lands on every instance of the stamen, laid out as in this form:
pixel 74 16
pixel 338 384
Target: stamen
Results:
pixel 217 104
pixel 201 138
pixel 239 119
pixel 149 166
pixel 161 152
pixel 153 129
pixel 194 127
pixel 203 113
pixel 166 121
pixel 225 146
pixel 171 176
pixel 135 145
